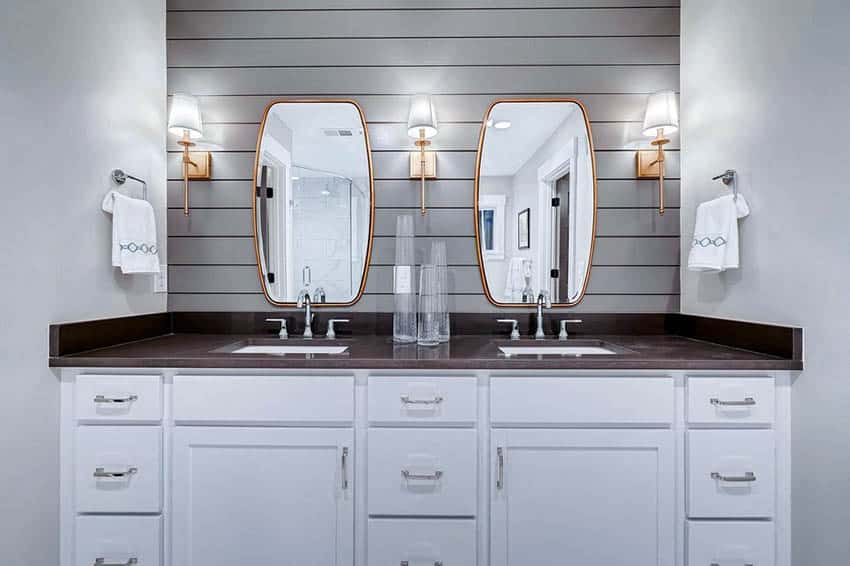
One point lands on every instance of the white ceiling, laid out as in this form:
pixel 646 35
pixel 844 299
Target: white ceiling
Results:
pixel 344 156
pixel 532 123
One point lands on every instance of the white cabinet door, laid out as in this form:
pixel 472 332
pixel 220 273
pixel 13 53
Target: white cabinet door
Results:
pixel 582 497
pixel 262 496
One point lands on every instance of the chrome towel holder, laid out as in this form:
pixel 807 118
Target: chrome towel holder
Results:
pixel 120 177
pixel 729 177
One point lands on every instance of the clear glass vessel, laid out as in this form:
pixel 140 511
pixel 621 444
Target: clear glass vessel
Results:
pixel 428 333
pixel 404 288
pixel 438 258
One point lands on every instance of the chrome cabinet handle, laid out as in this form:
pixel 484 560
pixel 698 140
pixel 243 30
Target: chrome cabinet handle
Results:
pixel 747 477
pixel 746 402
pixel 718 564
pixel 102 562
pixel 408 401
pixel 500 468
pixel 344 466
pixel 407 563
pixel 102 473
pixel 115 400
pixel 408 475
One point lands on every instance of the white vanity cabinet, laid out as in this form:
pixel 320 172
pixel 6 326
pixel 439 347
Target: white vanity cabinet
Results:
pixel 413 468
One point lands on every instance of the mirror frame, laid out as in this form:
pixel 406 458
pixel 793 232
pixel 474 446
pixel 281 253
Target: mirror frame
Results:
pixel 366 265
pixel 475 211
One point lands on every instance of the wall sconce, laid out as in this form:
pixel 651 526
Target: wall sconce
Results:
pixel 661 119
pixel 185 120
pixel 422 125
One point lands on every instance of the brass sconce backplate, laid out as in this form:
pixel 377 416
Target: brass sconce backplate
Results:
pixel 430 158
pixel 201 165
pixel 648 166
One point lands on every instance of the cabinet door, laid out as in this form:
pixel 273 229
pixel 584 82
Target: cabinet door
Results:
pixel 262 496
pixel 582 497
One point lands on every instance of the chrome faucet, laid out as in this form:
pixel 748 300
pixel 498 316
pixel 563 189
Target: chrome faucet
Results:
pixel 319 295
pixel 306 303
pixel 542 302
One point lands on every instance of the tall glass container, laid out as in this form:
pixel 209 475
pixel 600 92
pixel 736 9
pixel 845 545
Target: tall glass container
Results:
pixel 404 291
pixel 428 332
pixel 438 258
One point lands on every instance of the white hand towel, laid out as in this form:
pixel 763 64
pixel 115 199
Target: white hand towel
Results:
pixel 134 247
pixel 715 243
pixel 514 282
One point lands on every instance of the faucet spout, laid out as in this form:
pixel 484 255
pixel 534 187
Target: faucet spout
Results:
pixel 306 303
pixel 542 302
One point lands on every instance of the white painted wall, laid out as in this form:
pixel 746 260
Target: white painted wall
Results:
pixel 82 90
pixel 766 91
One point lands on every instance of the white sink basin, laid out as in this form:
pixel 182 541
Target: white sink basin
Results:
pixel 555 351
pixel 282 350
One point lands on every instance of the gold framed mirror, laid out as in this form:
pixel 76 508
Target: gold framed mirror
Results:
pixel 535 201
pixel 313 207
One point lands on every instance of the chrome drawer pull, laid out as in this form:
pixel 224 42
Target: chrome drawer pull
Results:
pixel 500 464
pixel 718 564
pixel 115 400
pixel 407 563
pixel 747 477
pixel 408 401
pixel 102 473
pixel 408 475
pixel 747 402
pixel 344 467
pixel 103 562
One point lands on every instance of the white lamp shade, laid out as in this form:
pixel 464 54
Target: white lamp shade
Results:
pixel 421 116
pixel 662 113
pixel 185 115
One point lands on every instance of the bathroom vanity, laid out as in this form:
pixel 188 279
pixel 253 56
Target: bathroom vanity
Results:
pixel 671 451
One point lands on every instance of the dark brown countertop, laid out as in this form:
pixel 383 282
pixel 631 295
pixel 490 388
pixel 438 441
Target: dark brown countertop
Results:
pixel 467 352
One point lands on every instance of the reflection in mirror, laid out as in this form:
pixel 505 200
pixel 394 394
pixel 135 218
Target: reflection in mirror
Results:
pixel 313 205
pixel 535 201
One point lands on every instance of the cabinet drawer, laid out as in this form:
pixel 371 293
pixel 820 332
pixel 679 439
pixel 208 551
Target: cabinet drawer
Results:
pixel 251 400
pixel 581 401
pixel 731 543
pixel 422 472
pixel 437 400
pixel 421 542
pixel 747 401
pixel 118 540
pixel 118 398
pixel 731 473
pixel 119 469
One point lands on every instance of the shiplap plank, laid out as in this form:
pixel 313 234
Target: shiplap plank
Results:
pixel 637 222
pixel 210 222
pixel 393 137
pixel 459 251
pixel 504 51
pixel 211 251
pixel 436 80
pixel 452 108
pixel 614 251
pixel 348 5
pixel 424 23
pixel 611 251
pixel 610 165
pixel 401 193
pixel 457 303
pixel 462 280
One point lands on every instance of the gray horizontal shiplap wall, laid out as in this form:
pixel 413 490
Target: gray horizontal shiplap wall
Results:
pixel 237 55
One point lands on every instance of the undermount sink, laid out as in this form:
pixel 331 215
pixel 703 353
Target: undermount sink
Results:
pixel 290 349
pixel 556 349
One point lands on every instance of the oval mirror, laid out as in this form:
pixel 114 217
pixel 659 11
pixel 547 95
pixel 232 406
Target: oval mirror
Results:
pixel 535 201
pixel 313 205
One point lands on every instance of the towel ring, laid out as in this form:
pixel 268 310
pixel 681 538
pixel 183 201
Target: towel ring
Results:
pixel 120 177
pixel 729 177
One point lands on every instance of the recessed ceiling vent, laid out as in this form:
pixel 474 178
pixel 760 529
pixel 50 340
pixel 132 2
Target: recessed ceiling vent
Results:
pixel 335 133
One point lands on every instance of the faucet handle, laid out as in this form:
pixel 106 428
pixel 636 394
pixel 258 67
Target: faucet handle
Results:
pixel 514 326
pixel 283 334
pixel 563 334
pixel 331 332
